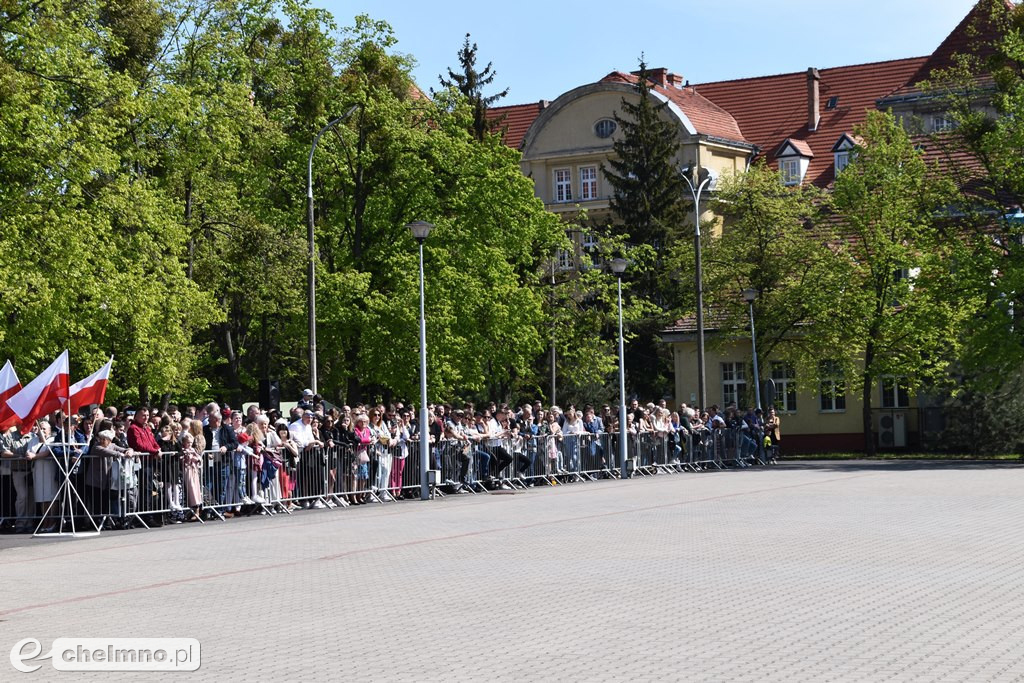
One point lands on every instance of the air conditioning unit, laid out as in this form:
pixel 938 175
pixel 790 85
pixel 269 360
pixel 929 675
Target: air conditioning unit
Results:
pixel 892 430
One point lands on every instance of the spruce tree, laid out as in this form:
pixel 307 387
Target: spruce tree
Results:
pixel 471 84
pixel 649 207
pixel 649 191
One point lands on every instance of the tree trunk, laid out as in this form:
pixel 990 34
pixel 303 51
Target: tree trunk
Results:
pixel 869 428
pixel 188 227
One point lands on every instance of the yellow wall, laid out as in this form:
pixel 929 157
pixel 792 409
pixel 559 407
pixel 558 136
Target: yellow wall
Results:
pixel 808 417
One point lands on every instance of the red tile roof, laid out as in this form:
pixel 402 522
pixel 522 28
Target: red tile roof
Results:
pixel 800 146
pixel 706 116
pixel 517 120
pixel 976 33
pixel 770 109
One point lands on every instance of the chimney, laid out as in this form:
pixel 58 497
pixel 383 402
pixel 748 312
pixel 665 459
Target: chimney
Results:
pixel 657 76
pixel 675 80
pixel 813 99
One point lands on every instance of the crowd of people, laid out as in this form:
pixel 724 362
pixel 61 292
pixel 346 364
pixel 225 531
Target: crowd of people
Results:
pixel 186 464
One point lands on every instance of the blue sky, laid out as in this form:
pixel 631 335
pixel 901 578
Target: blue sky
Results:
pixel 541 49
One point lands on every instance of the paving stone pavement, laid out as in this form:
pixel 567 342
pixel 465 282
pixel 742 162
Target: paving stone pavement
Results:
pixel 849 571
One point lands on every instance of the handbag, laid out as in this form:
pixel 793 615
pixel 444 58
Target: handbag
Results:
pixel 364 457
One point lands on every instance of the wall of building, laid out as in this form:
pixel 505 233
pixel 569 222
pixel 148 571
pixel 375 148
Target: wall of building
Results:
pixel 808 428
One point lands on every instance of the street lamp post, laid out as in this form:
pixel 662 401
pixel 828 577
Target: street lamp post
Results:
pixel 749 295
pixel 708 183
pixel 618 266
pixel 421 230
pixel 311 274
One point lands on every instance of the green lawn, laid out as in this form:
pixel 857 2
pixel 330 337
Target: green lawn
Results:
pixel 902 456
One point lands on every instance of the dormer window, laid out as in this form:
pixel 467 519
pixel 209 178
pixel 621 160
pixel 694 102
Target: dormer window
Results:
pixel 942 122
pixel 844 150
pixel 794 157
pixel 842 161
pixel 790 169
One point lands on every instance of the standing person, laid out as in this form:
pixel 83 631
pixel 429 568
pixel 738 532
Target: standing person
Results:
pixel 12 451
pixel 382 452
pixel 170 449
pixel 773 429
pixel 222 441
pixel 361 463
pixel 191 466
pixel 103 452
pixel 594 427
pixel 552 432
pixel 400 436
pixel 499 434
pixel 142 441
pixel 310 472
pixel 572 427
pixel 44 470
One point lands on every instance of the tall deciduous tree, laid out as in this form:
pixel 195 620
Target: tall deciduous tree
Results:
pixel 984 93
pixel 772 242
pixel 903 302
pixel 471 83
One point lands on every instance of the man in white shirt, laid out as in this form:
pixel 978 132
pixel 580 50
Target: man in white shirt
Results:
pixel 497 437
pixel 302 432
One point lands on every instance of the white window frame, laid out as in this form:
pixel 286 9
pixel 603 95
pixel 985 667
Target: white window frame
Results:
pixel 893 395
pixel 566 259
pixel 588 183
pixel 784 375
pixel 790 169
pixel 842 161
pixel 831 399
pixel 563 185
pixel 734 383
pixel 942 122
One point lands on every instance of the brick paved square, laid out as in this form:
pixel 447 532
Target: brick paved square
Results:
pixel 803 572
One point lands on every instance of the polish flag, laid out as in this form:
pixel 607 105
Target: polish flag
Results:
pixel 43 395
pixel 9 386
pixel 92 389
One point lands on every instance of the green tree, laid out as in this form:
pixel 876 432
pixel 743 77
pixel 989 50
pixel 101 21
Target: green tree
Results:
pixel 904 300
pixel 649 210
pixel 773 242
pixel 984 93
pixel 471 83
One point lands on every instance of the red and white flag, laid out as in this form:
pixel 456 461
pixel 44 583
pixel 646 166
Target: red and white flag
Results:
pixel 92 389
pixel 43 395
pixel 9 386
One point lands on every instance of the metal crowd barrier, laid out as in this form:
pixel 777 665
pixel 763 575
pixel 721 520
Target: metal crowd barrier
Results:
pixel 118 492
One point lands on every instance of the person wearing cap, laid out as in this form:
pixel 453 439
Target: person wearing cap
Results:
pixel 310 475
pixel 98 485
pixel 306 402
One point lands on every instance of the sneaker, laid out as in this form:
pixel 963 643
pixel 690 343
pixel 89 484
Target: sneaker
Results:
pixel 258 499
pixel 247 501
pixel 318 505
pixel 506 487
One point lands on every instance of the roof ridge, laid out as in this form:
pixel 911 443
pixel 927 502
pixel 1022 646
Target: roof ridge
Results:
pixel 803 72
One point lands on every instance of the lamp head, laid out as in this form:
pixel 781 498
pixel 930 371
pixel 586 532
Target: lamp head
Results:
pixel 618 265
pixel 749 295
pixel 420 229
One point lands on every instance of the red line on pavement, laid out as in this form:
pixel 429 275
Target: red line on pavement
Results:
pixel 406 544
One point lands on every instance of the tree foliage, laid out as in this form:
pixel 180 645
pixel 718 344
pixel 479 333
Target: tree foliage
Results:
pixel 471 83
pixel 152 184
pixel 774 242
pixel 906 295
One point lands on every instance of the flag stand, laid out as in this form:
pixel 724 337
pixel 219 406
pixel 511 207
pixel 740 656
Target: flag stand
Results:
pixel 66 491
